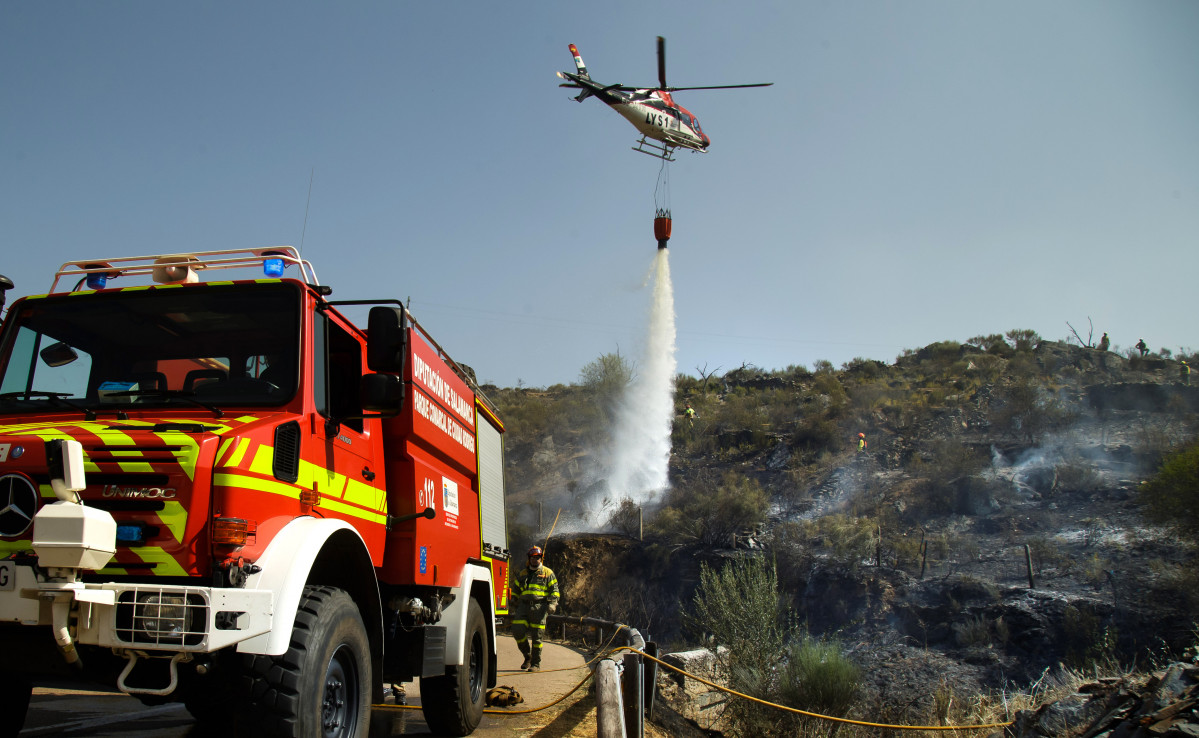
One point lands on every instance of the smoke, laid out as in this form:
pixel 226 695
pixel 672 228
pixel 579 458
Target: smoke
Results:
pixel 641 437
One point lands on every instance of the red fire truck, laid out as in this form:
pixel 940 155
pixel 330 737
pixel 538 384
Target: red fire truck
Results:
pixel 225 493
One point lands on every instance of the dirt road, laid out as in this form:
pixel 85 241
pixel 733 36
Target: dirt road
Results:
pixel 63 712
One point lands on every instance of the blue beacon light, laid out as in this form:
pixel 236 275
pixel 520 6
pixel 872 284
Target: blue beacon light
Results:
pixel 97 280
pixel 273 267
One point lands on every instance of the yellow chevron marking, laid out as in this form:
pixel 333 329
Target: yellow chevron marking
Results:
pixel 167 566
pixel 329 482
pixel 174 516
pixel 365 495
pixel 222 450
pixel 353 512
pixel 262 485
pixel 186 457
pixel 243 444
pixel 264 460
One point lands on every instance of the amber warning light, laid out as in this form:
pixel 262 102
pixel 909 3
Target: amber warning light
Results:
pixel 229 531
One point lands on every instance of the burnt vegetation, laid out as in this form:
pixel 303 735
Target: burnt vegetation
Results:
pixel 1021 506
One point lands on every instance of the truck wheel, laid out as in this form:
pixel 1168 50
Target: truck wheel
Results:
pixel 321 686
pixel 453 704
pixel 15 692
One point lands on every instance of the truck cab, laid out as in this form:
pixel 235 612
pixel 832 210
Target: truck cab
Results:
pixel 224 492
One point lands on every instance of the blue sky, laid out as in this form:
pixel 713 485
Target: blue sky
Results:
pixel 920 171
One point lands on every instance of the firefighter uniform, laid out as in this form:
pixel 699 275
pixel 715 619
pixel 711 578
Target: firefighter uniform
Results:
pixel 535 590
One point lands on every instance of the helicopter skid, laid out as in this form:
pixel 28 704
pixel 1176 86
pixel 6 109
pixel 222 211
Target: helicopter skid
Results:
pixel 662 151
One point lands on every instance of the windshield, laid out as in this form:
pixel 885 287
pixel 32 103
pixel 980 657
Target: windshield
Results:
pixel 210 346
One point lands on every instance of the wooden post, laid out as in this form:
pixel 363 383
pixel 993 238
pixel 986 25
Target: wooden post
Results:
pixel 633 695
pixel 609 719
pixel 1028 560
pixel 651 679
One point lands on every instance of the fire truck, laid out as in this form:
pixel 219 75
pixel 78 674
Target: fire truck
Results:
pixel 223 492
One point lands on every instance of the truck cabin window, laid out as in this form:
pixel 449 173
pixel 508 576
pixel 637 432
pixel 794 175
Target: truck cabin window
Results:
pixel 215 345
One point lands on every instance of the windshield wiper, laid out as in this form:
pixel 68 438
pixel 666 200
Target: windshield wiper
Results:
pixel 88 413
pixel 184 395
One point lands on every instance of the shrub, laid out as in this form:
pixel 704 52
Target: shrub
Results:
pixel 972 632
pixel 1171 497
pixel 709 514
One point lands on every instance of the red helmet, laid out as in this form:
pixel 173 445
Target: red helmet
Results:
pixel 535 551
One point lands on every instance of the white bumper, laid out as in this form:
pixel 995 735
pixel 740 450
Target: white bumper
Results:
pixel 141 616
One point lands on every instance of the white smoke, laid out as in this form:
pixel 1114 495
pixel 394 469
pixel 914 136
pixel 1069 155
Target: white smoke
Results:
pixel 641 438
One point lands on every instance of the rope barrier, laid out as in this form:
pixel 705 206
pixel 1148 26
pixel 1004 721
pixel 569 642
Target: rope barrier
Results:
pixel 805 712
pixel 701 680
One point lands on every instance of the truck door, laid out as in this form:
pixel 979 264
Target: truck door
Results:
pixel 348 447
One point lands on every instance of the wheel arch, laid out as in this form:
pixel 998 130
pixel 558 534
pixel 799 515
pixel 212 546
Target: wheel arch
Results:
pixel 477 586
pixel 319 551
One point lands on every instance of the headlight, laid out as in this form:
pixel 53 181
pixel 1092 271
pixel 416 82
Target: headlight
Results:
pixel 161 618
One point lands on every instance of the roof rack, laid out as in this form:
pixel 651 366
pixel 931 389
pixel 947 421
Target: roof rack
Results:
pixel 156 264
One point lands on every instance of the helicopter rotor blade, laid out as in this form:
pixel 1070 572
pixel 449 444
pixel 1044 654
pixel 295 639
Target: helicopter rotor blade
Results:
pixel 716 87
pixel 661 63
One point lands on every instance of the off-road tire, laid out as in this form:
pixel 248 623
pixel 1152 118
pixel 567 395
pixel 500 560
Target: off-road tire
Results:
pixel 453 703
pixel 15 692
pixel 322 685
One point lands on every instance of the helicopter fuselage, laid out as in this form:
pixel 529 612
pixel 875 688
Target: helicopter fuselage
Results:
pixel 652 112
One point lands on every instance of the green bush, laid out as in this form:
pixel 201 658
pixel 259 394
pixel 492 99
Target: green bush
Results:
pixel 704 513
pixel 1171 497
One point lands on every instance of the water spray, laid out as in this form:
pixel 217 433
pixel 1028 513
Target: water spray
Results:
pixel 641 439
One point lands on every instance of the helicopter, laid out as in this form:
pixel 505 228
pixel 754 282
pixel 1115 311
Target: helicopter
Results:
pixel 651 110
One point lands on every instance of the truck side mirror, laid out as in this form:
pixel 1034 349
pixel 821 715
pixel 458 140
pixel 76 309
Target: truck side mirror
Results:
pixel 381 393
pixel 385 335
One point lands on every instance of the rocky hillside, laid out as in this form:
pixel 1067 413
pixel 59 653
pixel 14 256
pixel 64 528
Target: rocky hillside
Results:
pixel 989 533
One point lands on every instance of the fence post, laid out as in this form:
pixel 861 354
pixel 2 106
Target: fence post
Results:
pixel 651 678
pixel 633 696
pixel 609 721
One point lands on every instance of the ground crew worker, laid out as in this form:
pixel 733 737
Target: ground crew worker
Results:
pixel 1142 347
pixel 1104 343
pixel 690 413
pixel 1184 372
pixel 536 592
pixel 861 442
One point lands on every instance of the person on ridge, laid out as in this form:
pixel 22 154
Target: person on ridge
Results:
pixel 1142 347
pixel 535 590
pixel 1104 343
pixel 1184 372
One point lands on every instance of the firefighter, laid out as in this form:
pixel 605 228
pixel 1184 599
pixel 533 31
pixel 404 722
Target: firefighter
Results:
pixel 536 592
pixel 1104 343
pixel 1142 347
pixel 861 442
pixel 690 413
pixel 1184 372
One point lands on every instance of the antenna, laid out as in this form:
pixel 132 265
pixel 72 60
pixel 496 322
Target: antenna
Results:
pixel 304 229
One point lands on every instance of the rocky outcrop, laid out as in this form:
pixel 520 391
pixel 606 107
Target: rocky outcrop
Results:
pixel 1164 705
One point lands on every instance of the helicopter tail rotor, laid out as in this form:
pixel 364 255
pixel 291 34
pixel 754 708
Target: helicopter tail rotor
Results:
pixel 574 51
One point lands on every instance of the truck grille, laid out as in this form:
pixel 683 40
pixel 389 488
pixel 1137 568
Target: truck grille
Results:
pixel 162 617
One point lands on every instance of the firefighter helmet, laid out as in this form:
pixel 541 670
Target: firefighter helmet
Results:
pixel 535 551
